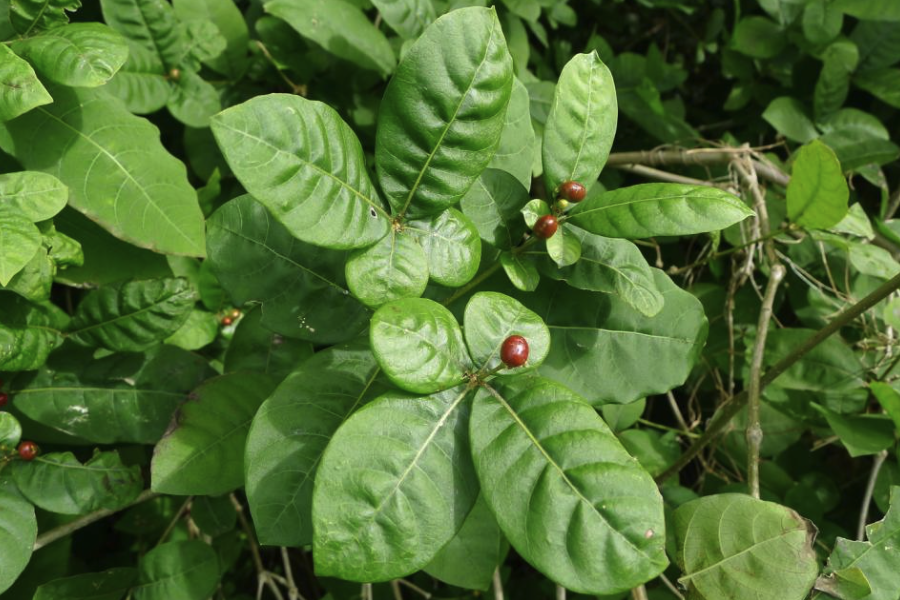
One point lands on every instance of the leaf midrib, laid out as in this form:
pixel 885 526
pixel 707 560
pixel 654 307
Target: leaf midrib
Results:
pixel 687 196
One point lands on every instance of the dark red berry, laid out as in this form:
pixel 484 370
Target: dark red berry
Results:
pixel 226 321
pixel 4 399
pixel 572 191
pixel 514 351
pixel 27 450
pixel 545 226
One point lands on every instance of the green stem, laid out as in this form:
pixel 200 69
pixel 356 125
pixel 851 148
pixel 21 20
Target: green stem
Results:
pixel 459 293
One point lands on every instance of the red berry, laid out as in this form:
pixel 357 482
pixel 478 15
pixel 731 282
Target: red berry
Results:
pixel 4 398
pixel 545 226
pixel 514 351
pixel 572 191
pixel 226 321
pixel 28 450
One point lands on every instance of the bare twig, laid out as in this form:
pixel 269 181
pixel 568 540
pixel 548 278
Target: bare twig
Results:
pixel 263 577
pixel 867 497
pixel 497 584
pixel 414 588
pixel 395 587
pixel 677 593
pixel 639 593
pixel 174 522
pixel 293 592
pixel 705 157
pixel 560 592
pixel 366 591
pixel 656 174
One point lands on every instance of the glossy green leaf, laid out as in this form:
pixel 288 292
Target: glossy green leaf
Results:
pixel 60 483
pixel 23 89
pixel 874 10
pixel 111 584
pixel 10 432
pixel 822 22
pixel 184 570
pixel 582 123
pixel 881 83
pixel 490 318
pixel 515 154
pixel 150 24
pixel 557 506
pixel 395 267
pixel 289 435
pixel 817 194
pixel 652 209
pixel 133 315
pixel 340 28
pixel 193 101
pixel 878 43
pixel 840 60
pixel 451 244
pixel 436 134
pixel 255 348
pixel 862 435
pixel 199 330
pixel 522 273
pixel 788 116
pixel 564 248
pixel 28 332
pixel 601 347
pixel 395 485
pixel 758 37
pixel 493 204
pixel 141 83
pixel 470 558
pixel 612 266
pixel 306 166
pixel 123 398
pixel 32 16
pixel 204 452
pixel 227 18
pixel 419 345
pixel 407 17
pixel 36 195
pixel 301 287
pixel 655 451
pixel 117 170
pixel 732 545
pixel 534 210
pixel 20 240
pixel 78 55
pixel 18 532
pixel 876 557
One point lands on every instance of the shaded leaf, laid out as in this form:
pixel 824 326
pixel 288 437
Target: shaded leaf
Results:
pixel 515 154
pixel 493 204
pixel 18 532
pixel 184 570
pixel 28 332
pixel 22 91
pixel 111 584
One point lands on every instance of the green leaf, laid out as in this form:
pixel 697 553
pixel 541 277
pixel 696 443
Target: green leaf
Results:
pixel 117 170
pixel 306 166
pixel 724 538
pixel 31 16
pixel 516 151
pixel 878 43
pixel 581 124
pixel 199 330
pixel 555 510
pixel 60 483
pixel 111 584
pixel 490 318
pixel 133 315
pixel 872 10
pixel 564 248
pixel 493 204
pixel 255 348
pixel 20 240
pixel 612 266
pixel 530 10
pixel 36 195
pixel 150 24
pixel 471 557
pixel 193 101
pixel 758 37
pixel 10 432
pixel 301 287
pixel 452 246
pixel 788 117
pixel 419 345
pixel 184 570
pixel 203 453
pixel 28 332
pixel 884 84
pixel 141 83
pixel 889 398
pixel 227 18
pixel 653 209
pixel 861 434
pixel 436 134
pixel 655 451
pixel 876 557
pixel 817 194
pixel 18 532
pixel 822 22
pixel 78 55
pixel 873 260
pixel 123 398
pixel 407 17
pixel 395 485
pixel 534 210
pixel 214 515
pixel 289 435
pixel 22 89
pixel 892 313
pixel 840 60
pixel 340 28
pixel 589 329
pixel 395 267
pixel 522 273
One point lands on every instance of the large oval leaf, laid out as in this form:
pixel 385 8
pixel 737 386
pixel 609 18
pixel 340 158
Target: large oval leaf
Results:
pixel 141 83
pixel 36 195
pixel 229 20
pixel 562 486
pixel 18 532
pixel 28 332
pixel 117 170
pixel 60 483
pixel 78 55
pixel 395 267
pixel 582 122
pixel 735 546
pixel 133 315
pixel 150 24
pixel 817 194
pixel 442 114
pixel 184 570
pixel 203 453
pixel 653 209
pixel 20 240
pixel 452 246
pixel 395 485
pixel 255 348
pixel 406 17
pixel 490 318
pixel 301 287
pixel 111 584
pixel 306 166
pixel 23 91
pixel 289 434
pixel 419 345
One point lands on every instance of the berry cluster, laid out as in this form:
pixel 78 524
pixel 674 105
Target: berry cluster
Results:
pixel 568 191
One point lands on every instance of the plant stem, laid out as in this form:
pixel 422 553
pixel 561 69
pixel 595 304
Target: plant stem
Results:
pixel 174 522
pixel 497 585
pixel 651 173
pixel 867 497
pixel 262 574
pixel 293 592
pixel 754 429
pixel 671 586
pixel 73 526
pixel 414 588
pixel 395 587
pixel 639 593
pixel 366 591
pixel 487 273
pixel 731 407
pixel 704 157
pixel 560 592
